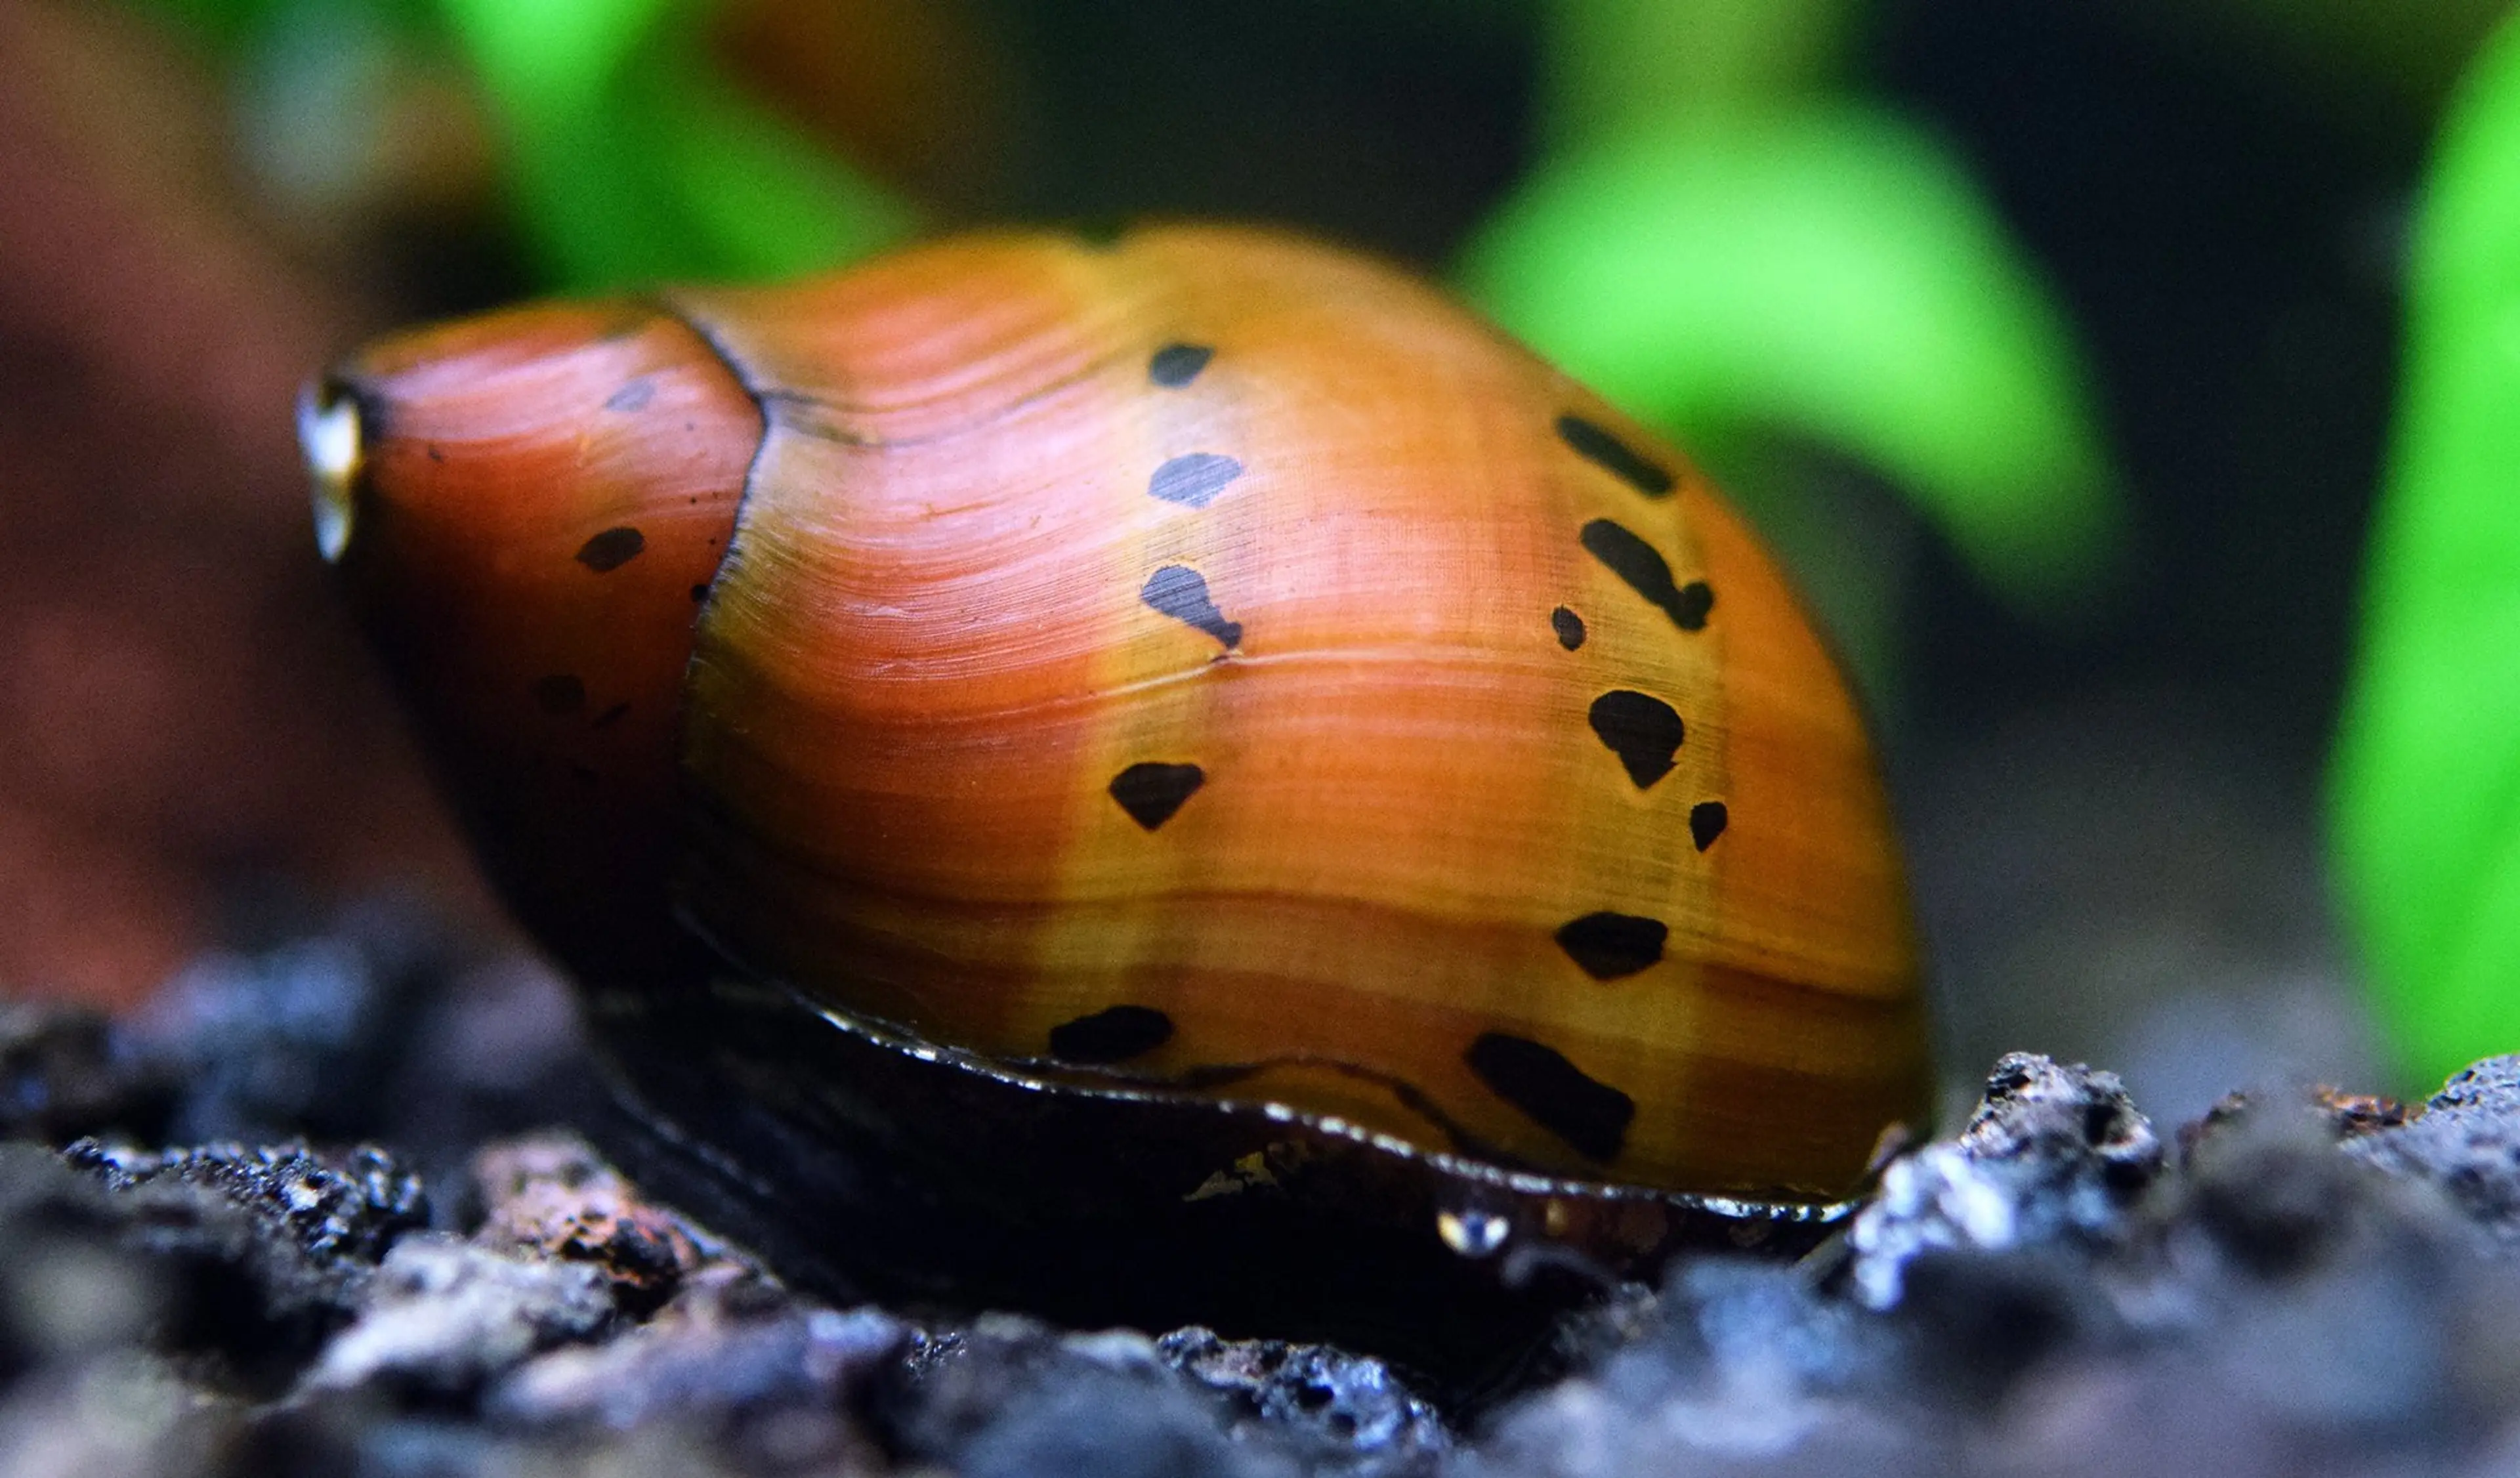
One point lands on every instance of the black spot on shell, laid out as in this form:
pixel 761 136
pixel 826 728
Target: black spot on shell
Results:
pixel 1114 1035
pixel 632 397
pixel 1151 791
pixel 1647 573
pixel 1181 593
pixel 611 549
pixel 1642 729
pixel 1594 444
pixel 561 694
pixel 700 592
pixel 1177 365
pixel 1098 233
pixel 1706 822
pixel 1569 627
pixel 1193 479
pixel 1559 1096
pixel 1610 946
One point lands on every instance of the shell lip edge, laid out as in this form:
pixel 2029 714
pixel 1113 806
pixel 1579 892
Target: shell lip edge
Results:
pixel 1746 1209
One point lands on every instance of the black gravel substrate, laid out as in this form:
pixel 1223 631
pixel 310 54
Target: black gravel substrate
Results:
pixel 378 1250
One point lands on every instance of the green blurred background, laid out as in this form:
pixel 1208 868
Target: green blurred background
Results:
pixel 2058 348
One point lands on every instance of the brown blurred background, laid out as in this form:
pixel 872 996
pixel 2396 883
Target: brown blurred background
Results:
pixel 184 717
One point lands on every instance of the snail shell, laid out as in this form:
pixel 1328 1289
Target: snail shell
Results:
pixel 1212 674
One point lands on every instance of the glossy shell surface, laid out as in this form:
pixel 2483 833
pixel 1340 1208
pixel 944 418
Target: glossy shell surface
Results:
pixel 1212 662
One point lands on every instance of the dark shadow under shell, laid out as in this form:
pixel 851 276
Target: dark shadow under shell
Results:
pixel 927 1176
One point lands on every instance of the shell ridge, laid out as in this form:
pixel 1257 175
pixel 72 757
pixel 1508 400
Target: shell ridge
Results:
pixel 795 403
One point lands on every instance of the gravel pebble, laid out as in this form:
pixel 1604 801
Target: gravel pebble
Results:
pixel 445 1316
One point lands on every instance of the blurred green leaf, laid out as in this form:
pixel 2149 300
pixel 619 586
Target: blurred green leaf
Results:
pixel 629 159
pixel 763 200
pixel 634 163
pixel 1826 272
pixel 549 57
pixel 2426 793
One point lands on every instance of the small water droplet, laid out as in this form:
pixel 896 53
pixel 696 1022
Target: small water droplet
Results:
pixel 1472 1233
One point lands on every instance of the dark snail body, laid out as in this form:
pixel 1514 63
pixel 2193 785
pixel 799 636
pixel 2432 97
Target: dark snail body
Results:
pixel 1179 773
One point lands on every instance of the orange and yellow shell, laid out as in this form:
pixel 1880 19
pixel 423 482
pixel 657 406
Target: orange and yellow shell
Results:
pixel 1210 660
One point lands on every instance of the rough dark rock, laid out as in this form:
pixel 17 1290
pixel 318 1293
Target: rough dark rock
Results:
pixel 1012 1394
pixel 1009 1396
pixel 730 1345
pixel 1980 1249
pixel 444 1316
pixel 2053 1154
pixel 1346 1412
pixel 261 1254
pixel 336 1210
pixel 551 1193
pixel 2301 1308
pixel 2466 1140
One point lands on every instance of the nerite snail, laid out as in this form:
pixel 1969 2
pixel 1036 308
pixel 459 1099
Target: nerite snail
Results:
pixel 1137 755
